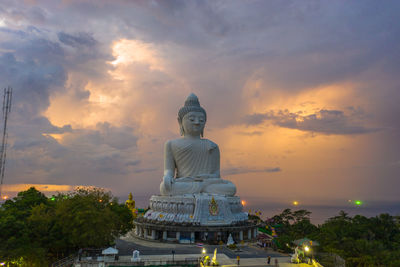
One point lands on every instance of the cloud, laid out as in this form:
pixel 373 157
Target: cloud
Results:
pixel 133 162
pixel 86 156
pixel 323 121
pixel 120 138
pixel 80 39
pixel 77 118
pixel 240 170
pixel 145 170
pixel 251 133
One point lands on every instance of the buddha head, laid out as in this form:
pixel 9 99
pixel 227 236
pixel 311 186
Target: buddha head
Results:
pixel 192 117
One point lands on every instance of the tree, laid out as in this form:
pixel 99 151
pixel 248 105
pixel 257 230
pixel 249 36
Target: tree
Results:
pixel 91 217
pixel 362 241
pixel 15 233
pixel 293 225
pixel 36 230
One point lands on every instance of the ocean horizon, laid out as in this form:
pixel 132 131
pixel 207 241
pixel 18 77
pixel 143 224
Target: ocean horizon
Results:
pixel 319 212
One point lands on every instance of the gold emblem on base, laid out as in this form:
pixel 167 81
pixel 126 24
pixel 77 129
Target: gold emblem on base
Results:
pixel 213 207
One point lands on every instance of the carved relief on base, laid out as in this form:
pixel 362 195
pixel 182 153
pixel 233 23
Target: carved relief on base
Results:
pixel 197 209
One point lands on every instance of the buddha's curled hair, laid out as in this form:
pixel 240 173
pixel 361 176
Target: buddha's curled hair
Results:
pixel 191 104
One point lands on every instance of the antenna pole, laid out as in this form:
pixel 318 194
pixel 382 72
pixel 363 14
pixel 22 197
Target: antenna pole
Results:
pixel 6 109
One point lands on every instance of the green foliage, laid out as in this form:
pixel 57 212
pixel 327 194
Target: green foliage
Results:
pixel 293 225
pixel 38 230
pixel 361 241
pixel 15 233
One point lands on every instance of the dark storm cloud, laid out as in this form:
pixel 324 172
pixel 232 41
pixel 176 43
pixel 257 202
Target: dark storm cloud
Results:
pixel 28 143
pixel 254 119
pixel 80 39
pixel 33 132
pixel 82 154
pixel 216 49
pixel 48 128
pixel 37 66
pixel 19 33
pixel 32 77
pixel 120 138
pixel 324 121
pixel 35 69
pixel 233 171
pixel 109 164
pixel 292 44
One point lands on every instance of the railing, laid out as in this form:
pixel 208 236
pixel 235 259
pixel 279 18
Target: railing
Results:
pixel 72 260
pixel 68 261
pixel 148 263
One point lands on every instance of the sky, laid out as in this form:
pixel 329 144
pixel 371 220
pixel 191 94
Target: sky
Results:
pixel 302 97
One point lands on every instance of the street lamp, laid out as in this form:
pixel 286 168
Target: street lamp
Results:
pixel 203 251
pixel 307 249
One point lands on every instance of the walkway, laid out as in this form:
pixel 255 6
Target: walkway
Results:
pixel 250 255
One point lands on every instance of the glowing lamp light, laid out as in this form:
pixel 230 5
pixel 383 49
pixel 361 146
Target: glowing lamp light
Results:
pixel 358 202
pixel 295 203
pixel 244 203
pixel 4 197
pixel 52 198
pixel 306 248
pixel 203 251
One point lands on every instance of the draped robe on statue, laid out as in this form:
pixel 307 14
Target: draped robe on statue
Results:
pixel 196 162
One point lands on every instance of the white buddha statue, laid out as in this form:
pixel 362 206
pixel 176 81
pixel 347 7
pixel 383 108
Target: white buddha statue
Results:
pixel 191 163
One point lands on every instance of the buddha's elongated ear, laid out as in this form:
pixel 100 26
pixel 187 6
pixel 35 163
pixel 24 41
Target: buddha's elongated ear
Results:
pixel 182 131
pixel 202 133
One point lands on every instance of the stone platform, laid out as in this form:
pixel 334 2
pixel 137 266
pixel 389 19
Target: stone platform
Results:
pixel 197 209
pixel 195 217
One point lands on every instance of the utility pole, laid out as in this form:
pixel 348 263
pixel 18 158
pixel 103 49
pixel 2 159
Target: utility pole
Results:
pixel 6 109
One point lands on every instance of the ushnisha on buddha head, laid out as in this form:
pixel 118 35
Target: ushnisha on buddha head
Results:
pixel 192 118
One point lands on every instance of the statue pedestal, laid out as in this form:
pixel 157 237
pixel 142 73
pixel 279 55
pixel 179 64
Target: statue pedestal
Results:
pixel 195 217
pixel 196 209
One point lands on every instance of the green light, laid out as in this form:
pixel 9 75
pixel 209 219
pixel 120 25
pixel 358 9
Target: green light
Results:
pixel 358 202
pixel 53 198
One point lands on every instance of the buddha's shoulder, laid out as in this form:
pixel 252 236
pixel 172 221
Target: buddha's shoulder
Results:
pixel 184 142
pixel 174 143
pixel 210 143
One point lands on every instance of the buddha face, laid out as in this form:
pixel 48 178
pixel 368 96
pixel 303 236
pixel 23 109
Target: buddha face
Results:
pixel 193 123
